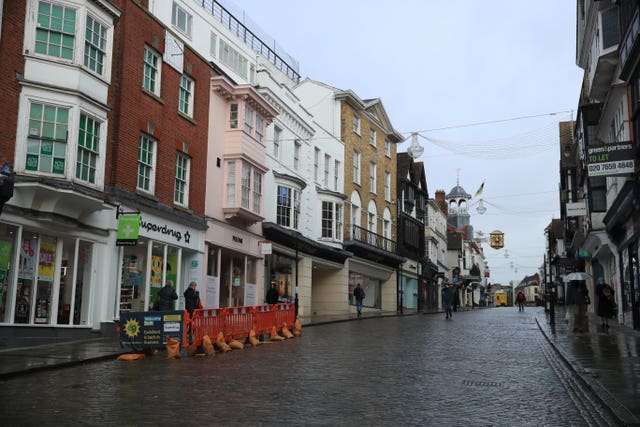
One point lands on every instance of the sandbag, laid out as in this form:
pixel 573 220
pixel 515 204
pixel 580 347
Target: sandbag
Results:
pixel 221 344
pixel 131 356
pixel 297 327
pixel 236 345
pixel 253 339
pixel 207 345
pixel 286 332
pixel 274 335
pixel 173 348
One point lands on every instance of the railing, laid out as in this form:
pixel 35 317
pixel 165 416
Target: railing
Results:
pixel 360 234
pixel 277 56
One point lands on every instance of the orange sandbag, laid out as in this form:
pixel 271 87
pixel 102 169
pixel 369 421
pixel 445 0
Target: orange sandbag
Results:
pixel 297 327
pixel 207 345
pixel 253 339
pixel 274 335
pixel 173 348
pixel 221 343
pixel 286 332
pixel 193 349
pixel 131 356
pixel 236 345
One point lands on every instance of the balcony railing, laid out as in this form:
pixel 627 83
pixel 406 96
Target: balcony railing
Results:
pixel 363 235
pixel 277 56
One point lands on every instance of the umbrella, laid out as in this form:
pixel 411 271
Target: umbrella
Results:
pixel 579 275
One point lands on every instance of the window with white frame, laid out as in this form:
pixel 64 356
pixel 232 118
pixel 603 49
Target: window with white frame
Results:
pixel 257 190
pixel 372 137
pixel 336 175
pixel 56 29
pixel 95 43
pixel 277 135
pixel 248 119
pixel 146 164
pixel 88 148
pixel 356 167
pixel 297 147
pixel 233 116
pixel 288 206
pixel 151 71
pixel 373 168
pixel 327 167
pixel 212 44
pixel 181 191
pixel 387 148
pixel 356 124
pixel 231 183
pixel 259 127
pixel 331 220
pixel 47 138
pixel 185 101
pixel 181 20
pixel 316 164
pixel 371 226
pixel 246 185
pixel 233 59
pixel 387 186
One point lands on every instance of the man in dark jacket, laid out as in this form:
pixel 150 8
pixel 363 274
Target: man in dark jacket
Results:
pixel 358 293
pixel 191 298
pixel 166 296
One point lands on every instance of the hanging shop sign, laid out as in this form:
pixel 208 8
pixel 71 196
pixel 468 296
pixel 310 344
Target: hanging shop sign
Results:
pixel 150 329
pixel 576 209
pixel 496 239
pixel 128 230
pixel 615 158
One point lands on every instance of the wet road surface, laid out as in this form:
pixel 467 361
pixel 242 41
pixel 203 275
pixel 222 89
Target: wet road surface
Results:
pixel 489 367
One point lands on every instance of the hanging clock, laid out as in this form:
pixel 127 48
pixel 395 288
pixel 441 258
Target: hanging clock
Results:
pixel 496 239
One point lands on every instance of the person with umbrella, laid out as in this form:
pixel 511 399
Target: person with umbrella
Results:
pixel 577 299
pixel 606 302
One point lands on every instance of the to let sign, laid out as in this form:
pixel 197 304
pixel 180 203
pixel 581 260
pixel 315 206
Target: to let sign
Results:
pixel 615 158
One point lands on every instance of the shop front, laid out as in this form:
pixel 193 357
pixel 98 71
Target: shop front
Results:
pixel 165 252
pixel 48 275
pixel 234 267
pixel 378 281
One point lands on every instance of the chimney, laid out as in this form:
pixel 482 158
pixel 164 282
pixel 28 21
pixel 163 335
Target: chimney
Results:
pixel 440 201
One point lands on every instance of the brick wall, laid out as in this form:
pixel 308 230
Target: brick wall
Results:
pixel 12 65
pixel 135 111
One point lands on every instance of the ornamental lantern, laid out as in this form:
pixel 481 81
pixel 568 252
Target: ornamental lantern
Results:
pixel 496 239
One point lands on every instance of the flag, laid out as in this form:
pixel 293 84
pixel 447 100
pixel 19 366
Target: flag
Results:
pixel 479 192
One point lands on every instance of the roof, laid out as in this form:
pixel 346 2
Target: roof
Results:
pixel 458 191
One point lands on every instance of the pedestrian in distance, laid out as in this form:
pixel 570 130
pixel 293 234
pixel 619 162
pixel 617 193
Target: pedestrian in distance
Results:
pixel 166 296
pixel 359 295
pixel 577 299
pixel 606 302
pixel 448 295
pixel 272 294
pixel 192 299
pixel 520 300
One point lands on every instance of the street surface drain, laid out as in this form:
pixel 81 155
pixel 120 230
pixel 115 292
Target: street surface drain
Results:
pixel 482 383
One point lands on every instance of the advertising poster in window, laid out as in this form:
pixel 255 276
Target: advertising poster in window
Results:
pixel 5 256
pixel 251 296
pixel 46 261
pixel 213 290
pixel 26 269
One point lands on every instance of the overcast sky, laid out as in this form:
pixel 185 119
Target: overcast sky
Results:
pixel 442 67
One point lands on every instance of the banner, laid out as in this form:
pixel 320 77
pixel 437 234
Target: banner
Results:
pixel 128 229
pixel 615 158
pixel 149 329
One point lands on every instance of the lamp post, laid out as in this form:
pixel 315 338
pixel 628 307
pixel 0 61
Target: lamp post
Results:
pixel 6 184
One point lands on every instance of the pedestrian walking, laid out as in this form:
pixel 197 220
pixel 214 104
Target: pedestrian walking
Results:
pixel 606 302
pixel 520 300
pixel 166 296
pixel 359 295
pixel 448 295
pixel 272 294
pixel 577 299
pixel 192 298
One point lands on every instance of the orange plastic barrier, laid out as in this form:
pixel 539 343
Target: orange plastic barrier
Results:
pixel 236 322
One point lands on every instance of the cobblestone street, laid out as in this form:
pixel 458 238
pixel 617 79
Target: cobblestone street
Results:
pixel 483 367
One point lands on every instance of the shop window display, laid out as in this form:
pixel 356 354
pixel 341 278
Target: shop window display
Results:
pixel 7 248
pixel 371 286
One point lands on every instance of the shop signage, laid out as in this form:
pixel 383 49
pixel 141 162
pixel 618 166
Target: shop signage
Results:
pixel 128 230
pixel 149 329
pixel 576 209
pixel 615 158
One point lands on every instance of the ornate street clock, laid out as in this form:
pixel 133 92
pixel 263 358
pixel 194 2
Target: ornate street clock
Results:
pixel 496 239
